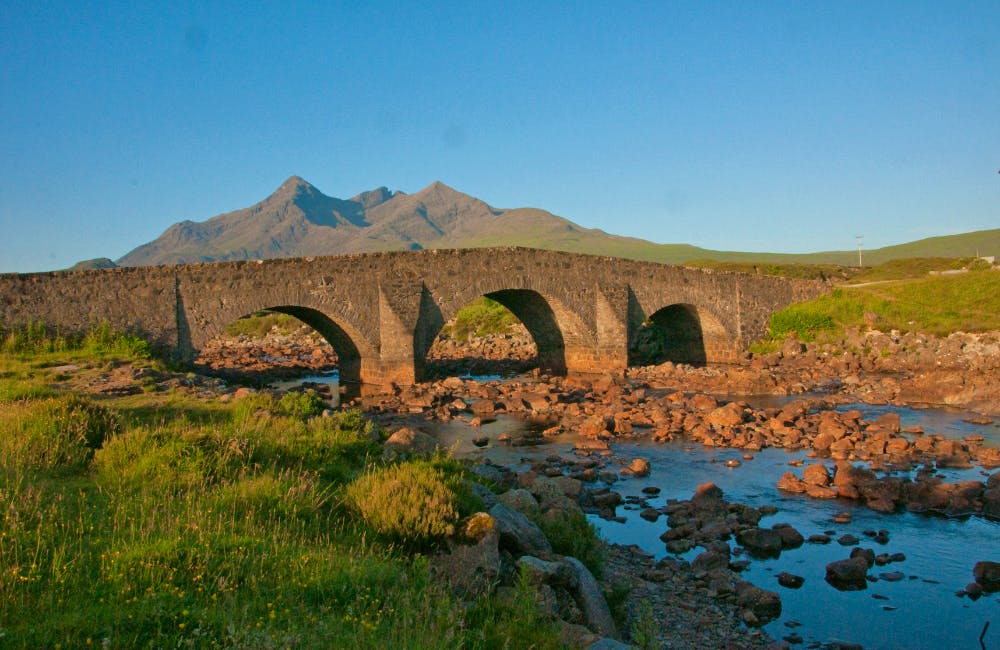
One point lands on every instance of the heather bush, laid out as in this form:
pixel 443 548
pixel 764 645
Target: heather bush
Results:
pixel 406 502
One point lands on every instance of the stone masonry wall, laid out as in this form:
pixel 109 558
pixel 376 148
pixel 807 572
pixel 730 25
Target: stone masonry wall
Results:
pixel 389 306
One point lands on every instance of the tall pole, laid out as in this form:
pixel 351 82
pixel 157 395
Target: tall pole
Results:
pixel 859 237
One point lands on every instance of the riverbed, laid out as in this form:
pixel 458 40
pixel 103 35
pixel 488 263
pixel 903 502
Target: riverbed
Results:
pixel 921 610
pixel 908 604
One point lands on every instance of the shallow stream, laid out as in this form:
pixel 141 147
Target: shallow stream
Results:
pixel 921 610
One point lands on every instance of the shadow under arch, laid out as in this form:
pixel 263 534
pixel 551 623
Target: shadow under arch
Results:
pixel 681 333
pixel 537 315
pixel 348 356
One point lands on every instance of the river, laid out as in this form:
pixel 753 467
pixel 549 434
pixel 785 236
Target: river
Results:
pixel 921 610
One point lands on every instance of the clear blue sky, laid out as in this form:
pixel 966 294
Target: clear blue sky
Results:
pixel 778 126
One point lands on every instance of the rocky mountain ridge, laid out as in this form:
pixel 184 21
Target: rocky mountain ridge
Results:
pixel 299 220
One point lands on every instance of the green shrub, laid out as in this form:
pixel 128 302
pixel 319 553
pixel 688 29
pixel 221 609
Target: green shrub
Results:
pixel 102 340
pixel 304 404
pixel 406 502
pixel 57 433
pixel 802 320
pixel 260 324
pixel 570 533
pixel 482 317
pixel 162 461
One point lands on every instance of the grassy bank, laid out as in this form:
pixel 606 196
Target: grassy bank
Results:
pixel 166 520
pixel 935 304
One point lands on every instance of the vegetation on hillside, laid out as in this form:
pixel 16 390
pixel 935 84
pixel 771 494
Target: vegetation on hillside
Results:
pixel 825 272
pixel 165 520
pixel 933 304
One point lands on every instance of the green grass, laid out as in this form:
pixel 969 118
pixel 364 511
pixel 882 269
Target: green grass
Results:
pixel 803 271
pixel 940 305
pixel 164 520
pixel 258 325
pixel 482 317
pixel 911 268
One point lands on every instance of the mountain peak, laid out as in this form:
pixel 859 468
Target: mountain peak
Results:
pixel 375 197
pixel 293 187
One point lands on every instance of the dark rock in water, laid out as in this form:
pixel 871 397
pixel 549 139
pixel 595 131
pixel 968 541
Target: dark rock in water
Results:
pixel 891 576
pixel 988 575
pixel 848 575
pixel 790 538
pixel 819 538
pixel 679 546
pixel 866 553
pixel 651 490
pixel 847 540
pixel 790 580
pixel 761 542
pixel 650 514
pixel 481 441
pixel 759 605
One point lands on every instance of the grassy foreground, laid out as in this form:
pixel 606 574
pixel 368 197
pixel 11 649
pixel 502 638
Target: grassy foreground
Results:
pixel 158 520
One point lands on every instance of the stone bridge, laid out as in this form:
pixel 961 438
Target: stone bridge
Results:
pixel 382 311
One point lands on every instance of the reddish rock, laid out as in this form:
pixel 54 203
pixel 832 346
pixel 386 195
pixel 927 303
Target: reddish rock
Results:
pixel 729 415
pixel 816 474
pixel 789 482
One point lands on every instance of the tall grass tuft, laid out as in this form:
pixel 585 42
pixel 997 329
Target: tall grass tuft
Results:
pixel 54 434
pixel 99 340
pixel 407 503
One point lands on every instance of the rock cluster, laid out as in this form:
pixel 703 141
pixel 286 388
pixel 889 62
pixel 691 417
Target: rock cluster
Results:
pixel 606 408
pixel 276 355
pixel 926 493
pixel 872 366
pixel 508 545
pixel 709 521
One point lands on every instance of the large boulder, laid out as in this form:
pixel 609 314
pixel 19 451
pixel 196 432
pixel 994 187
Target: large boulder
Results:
pixel 816 474
pixel 407 441
pixel 848 575
pixel 790 538
pixel 522 501
pixel 591 600
pixel 471 569
pixel 518 534
pixel 761 542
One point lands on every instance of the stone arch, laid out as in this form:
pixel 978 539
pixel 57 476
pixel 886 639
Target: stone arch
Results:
pixel 348 355
pixel 553 326
pixel 538 316
pixel 346 341
pixel 682 333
